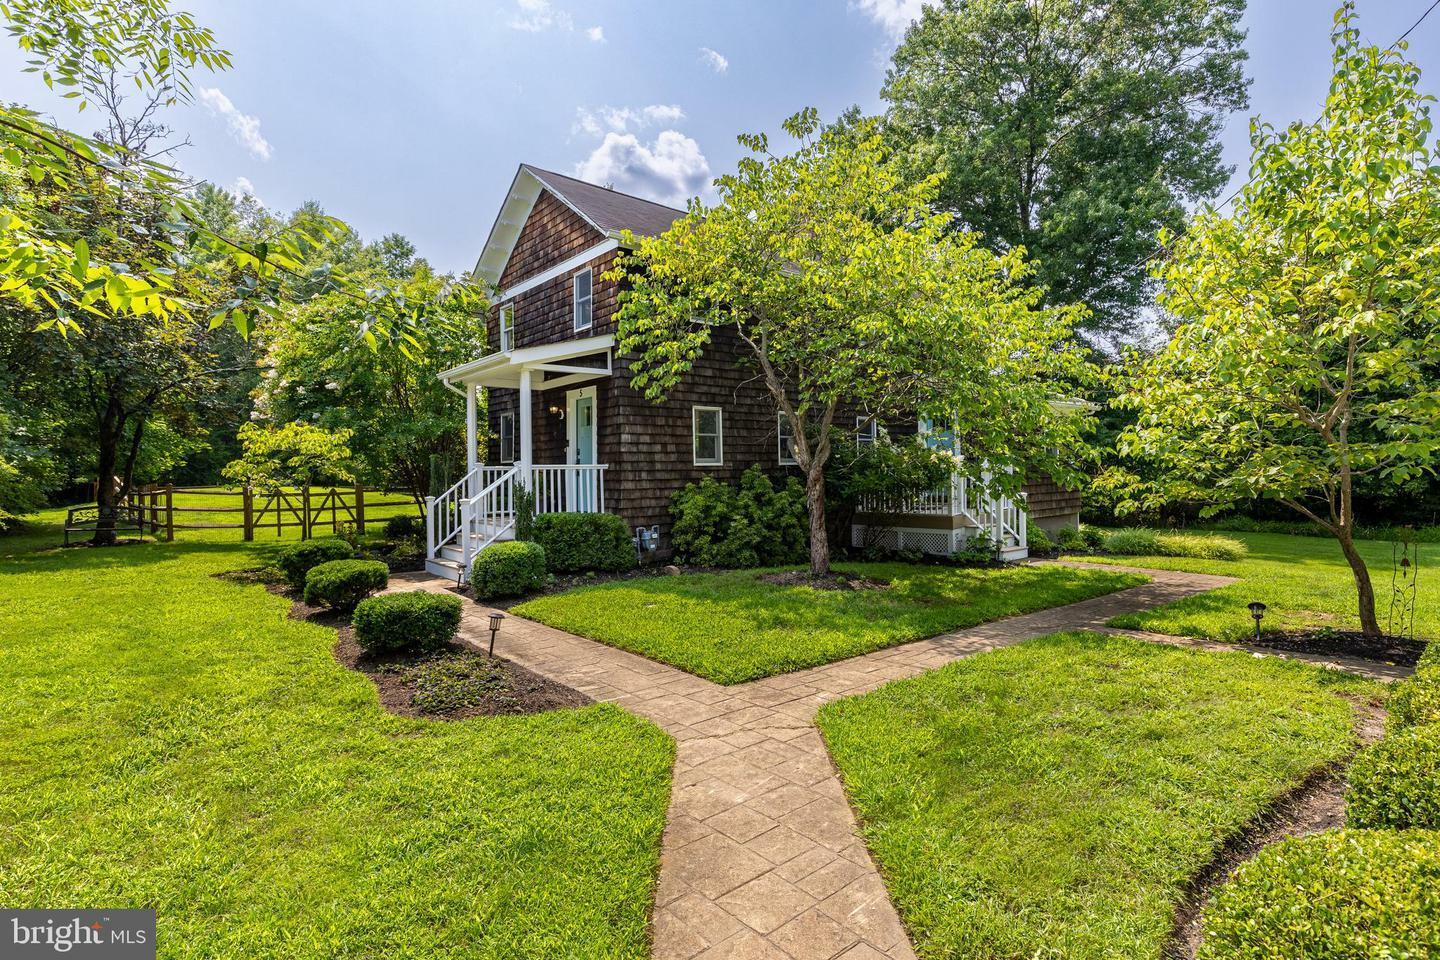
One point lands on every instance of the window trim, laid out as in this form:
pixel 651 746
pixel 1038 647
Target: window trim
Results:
pixel 780 458
pixel 500 437
pixel 507 309
pixel 864 436
pixel 589 298
pixel 695 435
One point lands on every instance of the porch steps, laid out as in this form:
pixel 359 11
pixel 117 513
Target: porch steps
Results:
pixel 449 562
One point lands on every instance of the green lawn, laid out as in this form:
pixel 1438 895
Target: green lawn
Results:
pixel 171 740
pixel 1052 799
pixel 732 627
pixel 1304 581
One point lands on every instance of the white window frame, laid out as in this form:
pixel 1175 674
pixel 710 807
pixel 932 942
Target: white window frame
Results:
pixel 507 327
pixel 785 460
pixel 589 300
pixel 867 431
pixel 695 436
pixel 507 416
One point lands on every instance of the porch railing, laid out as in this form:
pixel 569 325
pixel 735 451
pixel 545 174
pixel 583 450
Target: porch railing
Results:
pixel 1002 518
pixel 480 508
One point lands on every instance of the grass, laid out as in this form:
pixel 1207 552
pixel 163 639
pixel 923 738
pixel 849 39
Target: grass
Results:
pixel 732 627
pixel 1053 799
pixel 1304 582
pixel 171 740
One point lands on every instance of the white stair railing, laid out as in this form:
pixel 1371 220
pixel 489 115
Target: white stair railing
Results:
pixel 489 515
pixel 443 514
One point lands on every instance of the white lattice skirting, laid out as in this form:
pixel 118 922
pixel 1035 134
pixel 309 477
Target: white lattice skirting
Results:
pixel 939 542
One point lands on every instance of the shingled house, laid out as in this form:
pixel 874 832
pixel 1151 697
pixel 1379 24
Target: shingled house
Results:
pixel 564 420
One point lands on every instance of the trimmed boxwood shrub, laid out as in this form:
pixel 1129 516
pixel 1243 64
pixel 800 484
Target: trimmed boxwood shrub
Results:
pixel 584 541
pixel 407 526
pixel 1342 895
pixel 298 560
pixel 1416 700
pixel 508 570
pixel 1396 783
pixel 416 622
pixel 341 584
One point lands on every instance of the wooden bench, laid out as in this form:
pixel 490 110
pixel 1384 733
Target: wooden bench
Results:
pixel 86 519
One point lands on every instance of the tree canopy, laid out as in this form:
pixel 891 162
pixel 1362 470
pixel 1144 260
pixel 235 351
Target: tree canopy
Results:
pixel 1074 129
pixel 1309 338
pixel 832 273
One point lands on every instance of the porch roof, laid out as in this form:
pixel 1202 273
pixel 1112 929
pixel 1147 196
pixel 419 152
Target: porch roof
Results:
pixel 551 361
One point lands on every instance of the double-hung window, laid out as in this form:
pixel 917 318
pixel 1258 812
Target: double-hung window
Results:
pixel 707 430
pixel 867 430
pixel 507 438
pixel 584 283
pixel 507 328
pixel 786 442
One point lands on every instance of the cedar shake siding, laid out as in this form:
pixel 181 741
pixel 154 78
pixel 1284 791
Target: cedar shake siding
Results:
pixel 553 234
pixel 1051 505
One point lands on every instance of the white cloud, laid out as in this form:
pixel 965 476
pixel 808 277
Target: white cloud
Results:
pixel 714 59
pixel 244 188
pixel 596 122
pixel 670 170
pixel 596 34
pixel 894 15
pixel 243 127
pixel 536 16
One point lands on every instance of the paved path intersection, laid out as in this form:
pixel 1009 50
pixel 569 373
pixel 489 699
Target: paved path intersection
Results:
pixel 761 856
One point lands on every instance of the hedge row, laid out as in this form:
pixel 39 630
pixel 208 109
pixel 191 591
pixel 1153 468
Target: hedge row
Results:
pixel 1370 890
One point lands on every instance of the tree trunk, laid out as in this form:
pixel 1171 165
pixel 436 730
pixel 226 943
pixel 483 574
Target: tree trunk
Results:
pixel 819 540
pixel 1369 625
pixel 112 426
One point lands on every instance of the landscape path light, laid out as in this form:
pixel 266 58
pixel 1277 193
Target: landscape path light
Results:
pixel 495 618
pixel 1257 610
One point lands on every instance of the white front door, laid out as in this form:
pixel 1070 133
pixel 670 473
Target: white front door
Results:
pixel 584 443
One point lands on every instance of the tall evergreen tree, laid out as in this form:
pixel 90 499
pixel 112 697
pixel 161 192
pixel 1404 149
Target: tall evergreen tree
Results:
pixel 1074 128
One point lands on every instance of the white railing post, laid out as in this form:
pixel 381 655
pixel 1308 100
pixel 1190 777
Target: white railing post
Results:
pixel 431 546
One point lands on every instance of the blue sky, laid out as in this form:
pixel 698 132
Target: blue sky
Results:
pixel 415 121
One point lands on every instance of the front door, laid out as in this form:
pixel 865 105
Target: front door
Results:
pixel 584 492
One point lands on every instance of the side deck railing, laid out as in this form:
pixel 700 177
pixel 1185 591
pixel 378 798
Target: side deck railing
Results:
pixel 1003 518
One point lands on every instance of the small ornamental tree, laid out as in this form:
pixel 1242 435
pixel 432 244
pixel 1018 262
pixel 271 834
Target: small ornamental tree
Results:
pixel 292 455
pixel 1309 325
pixel 848 293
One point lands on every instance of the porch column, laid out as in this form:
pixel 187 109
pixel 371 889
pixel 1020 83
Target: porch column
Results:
pixel 471 429
pixel 526 453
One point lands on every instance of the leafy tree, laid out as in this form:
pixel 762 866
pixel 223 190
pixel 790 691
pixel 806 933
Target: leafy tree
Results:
pixel 291 455
pixel 1306 358
pixel 831 272
pixel 1074 129
pixel 399 413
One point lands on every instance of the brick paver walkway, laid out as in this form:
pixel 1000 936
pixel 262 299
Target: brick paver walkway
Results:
pixel 761 857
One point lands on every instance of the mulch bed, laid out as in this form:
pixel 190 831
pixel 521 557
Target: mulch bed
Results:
pixel 835 580
pixel 1400 651
pixel 453 684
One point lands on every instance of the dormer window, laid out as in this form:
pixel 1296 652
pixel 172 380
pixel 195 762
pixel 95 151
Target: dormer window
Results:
pixel 584 299
pixel 507 328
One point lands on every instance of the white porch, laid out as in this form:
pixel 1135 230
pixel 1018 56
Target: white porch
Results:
pixel 479 509
pixel 941 521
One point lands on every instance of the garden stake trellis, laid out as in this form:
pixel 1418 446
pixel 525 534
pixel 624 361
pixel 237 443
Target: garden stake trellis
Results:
pixel 1404 574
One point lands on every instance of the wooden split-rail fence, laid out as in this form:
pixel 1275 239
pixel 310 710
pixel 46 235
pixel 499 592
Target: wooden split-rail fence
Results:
pixel 308 509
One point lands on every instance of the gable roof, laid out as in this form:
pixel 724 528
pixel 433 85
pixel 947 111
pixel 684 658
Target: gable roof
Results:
pixel 608 211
